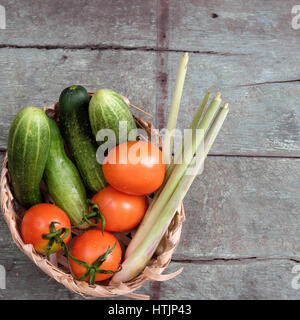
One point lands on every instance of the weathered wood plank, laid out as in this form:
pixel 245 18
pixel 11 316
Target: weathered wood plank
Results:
pixel 269 279
pixel 80 23
pixel 238 208
pixel 263 119
pixel 243 207
pixel 36 77
pixel 233 26
pixel 246 280
pixel 24 280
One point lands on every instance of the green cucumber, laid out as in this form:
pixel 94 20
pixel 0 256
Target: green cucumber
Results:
pixel 106 109
pixel 63 180
pixel 77 133
pixel 28 146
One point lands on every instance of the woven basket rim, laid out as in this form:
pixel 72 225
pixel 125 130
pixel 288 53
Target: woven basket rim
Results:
pixel 153 270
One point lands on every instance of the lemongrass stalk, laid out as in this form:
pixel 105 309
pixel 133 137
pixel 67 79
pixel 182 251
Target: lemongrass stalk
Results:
pixel 172 181
pixel 168 141
pixel 152 214
pixel 216 126
pixel 178 155
pixel 203 125
pixel 200 111
pixel 135 263
pixel 220 117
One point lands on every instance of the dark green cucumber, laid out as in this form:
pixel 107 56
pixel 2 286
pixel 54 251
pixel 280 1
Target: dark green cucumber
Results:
pixel 28 146
pixel 106 109
pixel 63 180
pixel 77 133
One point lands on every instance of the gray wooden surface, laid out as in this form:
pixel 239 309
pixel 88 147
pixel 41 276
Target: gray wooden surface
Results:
pixel 241 237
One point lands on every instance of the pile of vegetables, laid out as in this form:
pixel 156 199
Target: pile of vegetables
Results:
pixel 109 197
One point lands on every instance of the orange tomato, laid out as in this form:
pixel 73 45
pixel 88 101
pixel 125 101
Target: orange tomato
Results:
pixel 36 222
pixel 135 167
pixel 121 211
pixel 89 247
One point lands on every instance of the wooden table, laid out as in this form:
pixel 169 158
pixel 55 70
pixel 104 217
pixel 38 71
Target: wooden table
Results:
pixel 241 238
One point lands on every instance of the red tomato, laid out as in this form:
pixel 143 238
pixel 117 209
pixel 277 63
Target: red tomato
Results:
pixel 36 222
pixel 89 247
pixel 135 167
pixel 121 211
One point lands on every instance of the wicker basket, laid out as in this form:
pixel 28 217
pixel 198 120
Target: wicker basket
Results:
pixel 58 267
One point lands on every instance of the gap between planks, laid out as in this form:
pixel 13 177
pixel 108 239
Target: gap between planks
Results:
pixel 234 260
pixel 4 150
pixel 157 49
pixel 115 47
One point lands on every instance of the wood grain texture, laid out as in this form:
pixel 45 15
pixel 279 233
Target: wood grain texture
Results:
pixel 264 116
pixel 241 236
pixel 244 280
pixel 240 239
pixel 36 77
pixel 79 23
pixel 243 207
pixel 263 119
pixel 265 279
pixel 250 280
pixel 232 27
